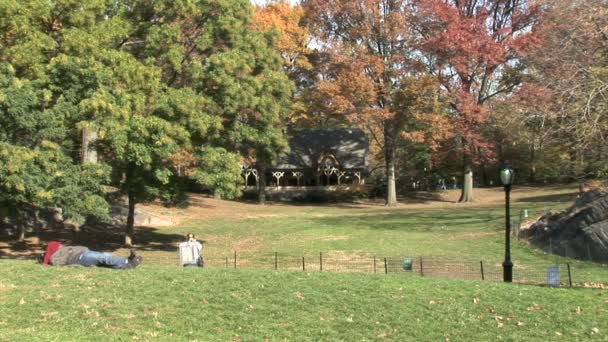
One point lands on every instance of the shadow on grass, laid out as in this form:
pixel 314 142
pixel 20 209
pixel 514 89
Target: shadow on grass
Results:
pixel 100 238
pixel 422 197
pixel 417 197
pixel 549 198
pixel 436 221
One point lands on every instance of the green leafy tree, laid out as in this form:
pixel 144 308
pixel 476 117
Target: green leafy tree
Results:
pixel 154 80
pixel 37 122
pixel 236 74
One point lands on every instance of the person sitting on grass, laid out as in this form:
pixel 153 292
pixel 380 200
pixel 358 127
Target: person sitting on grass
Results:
pixel 59 255
pixel 190 252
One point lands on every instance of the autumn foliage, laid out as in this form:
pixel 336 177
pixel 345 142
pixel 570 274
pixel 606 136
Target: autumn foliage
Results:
pixel 293 36
pixel 473 46
pixel 372 78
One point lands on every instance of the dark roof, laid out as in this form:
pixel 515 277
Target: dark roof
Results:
pixel 350 147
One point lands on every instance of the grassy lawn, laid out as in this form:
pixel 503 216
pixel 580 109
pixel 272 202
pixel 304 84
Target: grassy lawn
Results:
pixel 159 301
pixel 350 237
pixel 173 304
pixel 453 230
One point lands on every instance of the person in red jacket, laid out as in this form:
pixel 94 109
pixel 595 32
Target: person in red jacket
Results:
pixel 58 254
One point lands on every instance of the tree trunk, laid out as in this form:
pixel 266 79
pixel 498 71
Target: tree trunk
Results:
pixel 467 185
pixel 130 222
pixel 39 225
pixel 484 175
pixel 532 177
pixel 391 191
pixel 20 228
pixel 89 152
pixel 262 183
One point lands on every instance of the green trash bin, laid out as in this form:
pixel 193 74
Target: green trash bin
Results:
pixel 407 264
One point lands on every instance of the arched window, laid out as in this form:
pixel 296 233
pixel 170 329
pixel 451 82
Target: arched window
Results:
pixel 328 168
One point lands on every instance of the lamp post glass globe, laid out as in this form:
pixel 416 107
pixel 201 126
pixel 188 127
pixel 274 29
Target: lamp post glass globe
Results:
pixel 506 175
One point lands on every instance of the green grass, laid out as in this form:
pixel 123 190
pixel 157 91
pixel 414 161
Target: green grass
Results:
pixel 457 231
pixel 161 303
pixel 453 232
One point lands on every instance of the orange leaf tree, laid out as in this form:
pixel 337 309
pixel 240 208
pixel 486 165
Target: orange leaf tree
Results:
pixel 370 72
pixel 293 36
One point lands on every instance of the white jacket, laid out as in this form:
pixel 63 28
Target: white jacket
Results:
pixel 190 253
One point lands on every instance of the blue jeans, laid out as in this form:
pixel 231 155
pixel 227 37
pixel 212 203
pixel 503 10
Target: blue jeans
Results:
pixel 92 258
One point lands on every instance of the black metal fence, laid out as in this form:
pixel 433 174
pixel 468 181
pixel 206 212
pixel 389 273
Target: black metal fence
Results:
pixel 567 274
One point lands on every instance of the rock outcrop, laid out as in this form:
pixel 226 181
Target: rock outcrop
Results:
pixel 581 231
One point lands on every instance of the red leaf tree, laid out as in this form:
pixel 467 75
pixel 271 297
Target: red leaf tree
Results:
pixel 474 47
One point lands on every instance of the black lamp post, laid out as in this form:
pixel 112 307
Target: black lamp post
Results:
pixel 506 177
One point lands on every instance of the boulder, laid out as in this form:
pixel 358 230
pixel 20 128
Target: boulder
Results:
pixel 580 232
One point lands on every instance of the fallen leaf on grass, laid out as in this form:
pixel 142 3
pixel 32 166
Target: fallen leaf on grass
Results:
pixel 519 323
pixel 595 331
pixel 558 333
pixel 579 310
pixel 299 295
pixel 205 301
pixel 384 335
pixel 498 320
pixel 21 301
pixel 475 300
pixel 534 308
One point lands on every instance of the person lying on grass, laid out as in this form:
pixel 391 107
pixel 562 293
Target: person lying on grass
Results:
pixel 59 255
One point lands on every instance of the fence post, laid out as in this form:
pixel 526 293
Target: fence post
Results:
pixel 374 264
pixel 234 259
pixel 385 266
pixel 569 275
pixel 421 268
pixel 226 262
pixel 483 277
pixel 303 266
pixel 321 261
pixel 276 261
